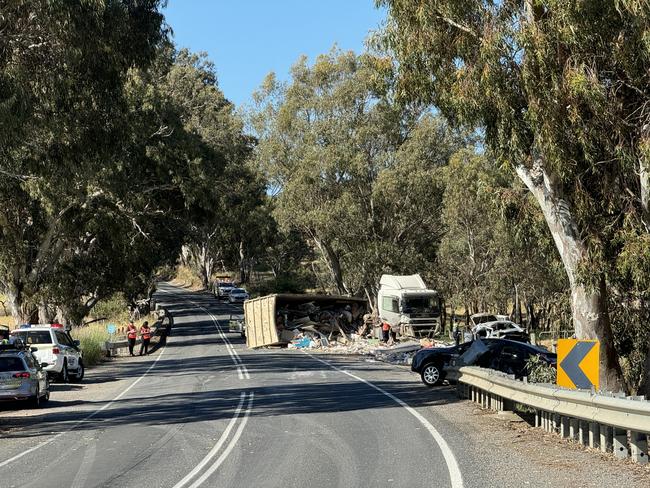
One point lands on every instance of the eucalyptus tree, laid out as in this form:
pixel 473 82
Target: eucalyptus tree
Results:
pixel 352 170
pixel 561 91
pixel 63 69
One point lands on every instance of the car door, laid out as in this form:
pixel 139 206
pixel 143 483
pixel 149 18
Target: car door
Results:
pixel 513 360
pixel 68 349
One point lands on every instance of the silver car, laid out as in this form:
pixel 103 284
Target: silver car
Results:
pixel 21 376
pixel 238 295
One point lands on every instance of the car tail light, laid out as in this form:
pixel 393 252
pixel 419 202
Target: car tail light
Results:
pixel 56 350
pixel 22 375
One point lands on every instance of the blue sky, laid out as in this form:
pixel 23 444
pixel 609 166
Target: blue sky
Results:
pixel 246 39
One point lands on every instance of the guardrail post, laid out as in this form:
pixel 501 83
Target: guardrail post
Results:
pixel 620 443
pixel 564 427
pixel 583 432
pixel 605 438
pixel 538 418
pixel 573 429
pixel 594 435
pixel 556 423
pixel 639 447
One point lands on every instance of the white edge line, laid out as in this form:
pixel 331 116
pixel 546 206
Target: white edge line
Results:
pixel 452 465
pixel 228 449
pixel 85 419
pixel 216 447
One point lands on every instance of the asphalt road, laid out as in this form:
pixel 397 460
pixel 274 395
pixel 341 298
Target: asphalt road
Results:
pixel 205 411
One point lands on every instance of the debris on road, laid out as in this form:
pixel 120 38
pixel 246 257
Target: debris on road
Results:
pixel 287 319
pixel 327 324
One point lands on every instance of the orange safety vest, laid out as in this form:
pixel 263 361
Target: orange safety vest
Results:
pixel 385 326
pixel 146 333
pixel 132 333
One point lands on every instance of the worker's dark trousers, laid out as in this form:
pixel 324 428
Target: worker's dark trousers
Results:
pixel 131 346
pixel 385 335
pixel 144 346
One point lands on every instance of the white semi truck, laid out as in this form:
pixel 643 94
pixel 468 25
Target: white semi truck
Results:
pixel 411 309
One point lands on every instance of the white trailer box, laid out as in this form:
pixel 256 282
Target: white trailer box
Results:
pixel 409 306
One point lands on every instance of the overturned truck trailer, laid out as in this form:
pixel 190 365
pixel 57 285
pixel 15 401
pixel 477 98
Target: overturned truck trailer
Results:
pixel 276 319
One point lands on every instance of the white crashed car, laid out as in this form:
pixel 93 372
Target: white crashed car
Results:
pixel 499 329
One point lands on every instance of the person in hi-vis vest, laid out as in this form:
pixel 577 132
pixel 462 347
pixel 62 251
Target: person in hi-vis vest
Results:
pixel 131 335
pixel 145 335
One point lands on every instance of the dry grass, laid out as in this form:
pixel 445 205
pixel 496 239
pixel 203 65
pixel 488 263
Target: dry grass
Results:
pixel 187 278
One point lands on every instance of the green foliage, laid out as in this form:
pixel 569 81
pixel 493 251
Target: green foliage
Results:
pixel 561 91
pixel 539 371
pixel 355 173
pixel 114 307
pixel 92 339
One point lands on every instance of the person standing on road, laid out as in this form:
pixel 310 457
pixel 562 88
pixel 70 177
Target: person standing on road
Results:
pixel 456 335
pixel 145 335
pixel 131 334
pixel 385 331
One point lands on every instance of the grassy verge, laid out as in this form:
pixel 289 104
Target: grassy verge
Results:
pixel 92 338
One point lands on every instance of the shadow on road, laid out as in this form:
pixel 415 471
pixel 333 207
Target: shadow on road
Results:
pixel 314 388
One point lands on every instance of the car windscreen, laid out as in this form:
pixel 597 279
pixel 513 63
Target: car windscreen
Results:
pixel 35 336
pixel 422 304
pixel 11 364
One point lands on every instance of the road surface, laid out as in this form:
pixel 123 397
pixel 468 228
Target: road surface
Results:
pixel 205 411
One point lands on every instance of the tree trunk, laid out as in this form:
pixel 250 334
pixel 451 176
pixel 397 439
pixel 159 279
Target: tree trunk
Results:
pixel 334 266
pixel 644 181
pixel 45 315
pixel 21 312
pixel 517 306
pixel 243 275
pixel 588 306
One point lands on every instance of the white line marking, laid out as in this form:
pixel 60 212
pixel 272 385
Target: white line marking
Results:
pixel 452 465
pixel 216 447
pixel 241 372
pixel 85 467
pixel 228 449
pixel 86 418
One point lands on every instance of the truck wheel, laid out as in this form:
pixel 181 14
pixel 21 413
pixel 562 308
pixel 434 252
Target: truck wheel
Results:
pixel 430 375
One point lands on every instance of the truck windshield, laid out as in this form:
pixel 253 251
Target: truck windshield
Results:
pixel 421 305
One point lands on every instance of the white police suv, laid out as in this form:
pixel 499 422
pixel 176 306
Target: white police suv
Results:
pixel 56 348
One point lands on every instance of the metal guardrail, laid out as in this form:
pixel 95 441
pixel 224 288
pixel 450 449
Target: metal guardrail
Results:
pixel 160 329
pixel 611 423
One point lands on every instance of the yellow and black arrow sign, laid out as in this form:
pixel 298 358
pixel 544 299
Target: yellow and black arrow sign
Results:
pixel 577 364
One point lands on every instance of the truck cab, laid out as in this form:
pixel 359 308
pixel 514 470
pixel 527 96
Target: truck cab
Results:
pixel 409 306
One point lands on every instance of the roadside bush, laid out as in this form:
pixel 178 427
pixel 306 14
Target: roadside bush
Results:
pixel 92 338
pixel 539 371
pixel 114 308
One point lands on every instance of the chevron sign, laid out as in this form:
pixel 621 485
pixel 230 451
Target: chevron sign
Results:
pixel 577 364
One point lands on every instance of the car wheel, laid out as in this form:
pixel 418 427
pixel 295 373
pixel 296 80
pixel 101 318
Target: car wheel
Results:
pixel 79 375
pixel 65 376
pixel 35 401
pixel 430 375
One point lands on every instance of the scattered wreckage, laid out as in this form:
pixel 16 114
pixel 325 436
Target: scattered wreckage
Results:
pixel 331 324
pixel 494 326
pixel 280 319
